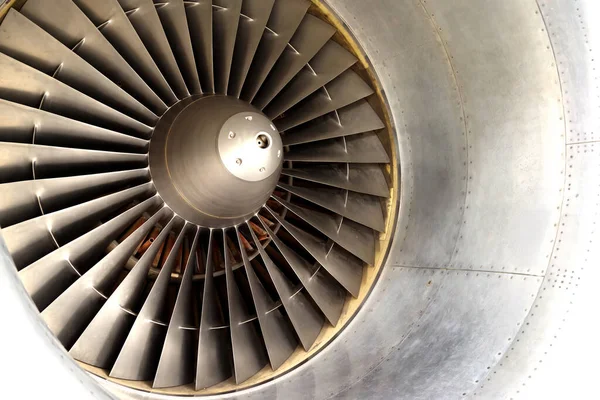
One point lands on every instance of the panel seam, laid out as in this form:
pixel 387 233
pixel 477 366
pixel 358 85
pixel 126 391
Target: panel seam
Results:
pixel 396 346
pixel 444 45
pixel 475 271
pixel 544 277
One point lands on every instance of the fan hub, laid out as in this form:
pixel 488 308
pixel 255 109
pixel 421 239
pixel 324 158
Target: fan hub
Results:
pixel 215 160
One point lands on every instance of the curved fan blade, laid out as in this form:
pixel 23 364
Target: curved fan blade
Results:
pixel 214 351
pixel 344 267
pixel 226 16
pixel 112 22
pixel 279 339
pixel 361 178
pixel 178 353
pixel 356 238
pixel 324 290
pixel 200 21
pixel 67 23
pixel 331 62
pixel 285 18
pixel 364 148
pixel 305 319
pixel 138 359
pixel 22 162
pixel 144 18
pixel 73 310
pixel 174 20
pixel 23 40
pixel 356 118
pixel 20 201
pixel 342 91
pixel 102 340
pixel 25 124
pixel 311 36
pixel 22 84
pixel 248 353
pixel 48 277
pixel 253 20
pixel 34 238
pixel 361 208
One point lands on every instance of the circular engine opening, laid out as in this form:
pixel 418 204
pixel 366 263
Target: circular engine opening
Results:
pixel 208 204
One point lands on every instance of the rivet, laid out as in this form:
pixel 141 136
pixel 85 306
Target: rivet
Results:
pixel 262 169
pixel 238 161
pixel 231 135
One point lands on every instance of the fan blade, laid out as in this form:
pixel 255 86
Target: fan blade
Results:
pixel 25 124
pixel 144 18
pixel 51 275
pixel 342 91
pixel 22 84
pixel 20 201
pixel 253 21
pixel 324 290
pixel 174 20
pixel 226 16
pixel 361 178
pixel 21 162
pixel 116 27
pixel 67 23
pixel 214 348
pixel 23 40
pixel 285 18
pixel 30 240
pixel 365 148
pixel 343 266
pixel 176 362
pixel 361 208
pixel 138 359
pixel 306 320
pixel 277 335
pixel 356 118
pixel 311 36
pixel 73 310
pixel 248 352
pixel 101 341
pixel 331 62
pixel 200 20
pixel 356 238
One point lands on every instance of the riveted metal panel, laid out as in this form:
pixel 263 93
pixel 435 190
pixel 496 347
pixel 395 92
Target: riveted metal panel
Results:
pixel 444 354
pixel 560 329
pixel 513 111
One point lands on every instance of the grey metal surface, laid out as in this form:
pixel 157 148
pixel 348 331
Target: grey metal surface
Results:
pixel 477 94
pixel 250 146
